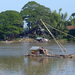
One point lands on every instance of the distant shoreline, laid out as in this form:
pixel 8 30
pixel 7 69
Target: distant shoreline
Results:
pixel 29 40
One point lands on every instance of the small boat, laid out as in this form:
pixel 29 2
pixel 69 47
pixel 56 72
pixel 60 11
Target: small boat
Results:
pixel 38 51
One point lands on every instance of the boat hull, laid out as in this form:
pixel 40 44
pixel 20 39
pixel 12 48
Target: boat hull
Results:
pixel 51 56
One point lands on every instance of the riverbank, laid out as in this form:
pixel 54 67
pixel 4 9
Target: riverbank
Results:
pixel 30 40
pixel 21 40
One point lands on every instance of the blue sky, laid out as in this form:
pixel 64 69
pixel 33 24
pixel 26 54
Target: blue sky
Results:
pixel 66 5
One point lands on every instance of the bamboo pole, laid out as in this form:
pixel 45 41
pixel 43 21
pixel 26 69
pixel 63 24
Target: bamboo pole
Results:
pixel 61 32
pixel 64 48
pixel 53 36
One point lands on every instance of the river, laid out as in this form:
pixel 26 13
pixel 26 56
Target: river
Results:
pixel 13 62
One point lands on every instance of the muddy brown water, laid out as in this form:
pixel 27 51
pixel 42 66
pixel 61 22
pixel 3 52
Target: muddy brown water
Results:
pixel 13 62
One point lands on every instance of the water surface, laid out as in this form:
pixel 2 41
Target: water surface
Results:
pixel 13 62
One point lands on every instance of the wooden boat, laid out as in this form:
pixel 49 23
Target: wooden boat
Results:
pixel 37 51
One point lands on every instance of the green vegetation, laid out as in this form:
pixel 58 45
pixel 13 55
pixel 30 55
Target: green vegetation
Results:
pixel 11 22
pixel 0 41
pixel 17 39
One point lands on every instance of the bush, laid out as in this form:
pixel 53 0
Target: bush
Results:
pixel 17 39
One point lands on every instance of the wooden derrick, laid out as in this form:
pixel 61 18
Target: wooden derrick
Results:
pixel 58 43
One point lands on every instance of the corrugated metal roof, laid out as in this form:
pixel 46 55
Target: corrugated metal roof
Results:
pixel 34 47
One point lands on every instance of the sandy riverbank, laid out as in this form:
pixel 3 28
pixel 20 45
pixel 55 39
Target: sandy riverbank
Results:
pixel 29 40
pixel 19 41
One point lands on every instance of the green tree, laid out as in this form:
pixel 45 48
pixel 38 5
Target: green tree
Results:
pixel 60 10
pixel 64 16
pixel 11 22
pixel 72 19
pixel 32 12
pixel 73 14
pixel 73 22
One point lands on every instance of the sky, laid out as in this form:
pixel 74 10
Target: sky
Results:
pixel 66 5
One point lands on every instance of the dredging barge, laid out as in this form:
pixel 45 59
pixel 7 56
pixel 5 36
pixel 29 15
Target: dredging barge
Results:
pixel 37 51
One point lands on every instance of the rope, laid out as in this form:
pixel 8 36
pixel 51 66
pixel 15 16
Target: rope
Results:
pixel 59 69
pixel 52 36
pixel 59 30
pixel 64 48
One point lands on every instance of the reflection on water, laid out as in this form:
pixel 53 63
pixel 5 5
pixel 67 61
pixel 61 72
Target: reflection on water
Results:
pixel 11 65
pixel 13 62
pixel 36 66
pixel 49 66
pixel 39 66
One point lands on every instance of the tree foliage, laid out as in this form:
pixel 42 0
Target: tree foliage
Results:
pixel 32 12
pixel 11 22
